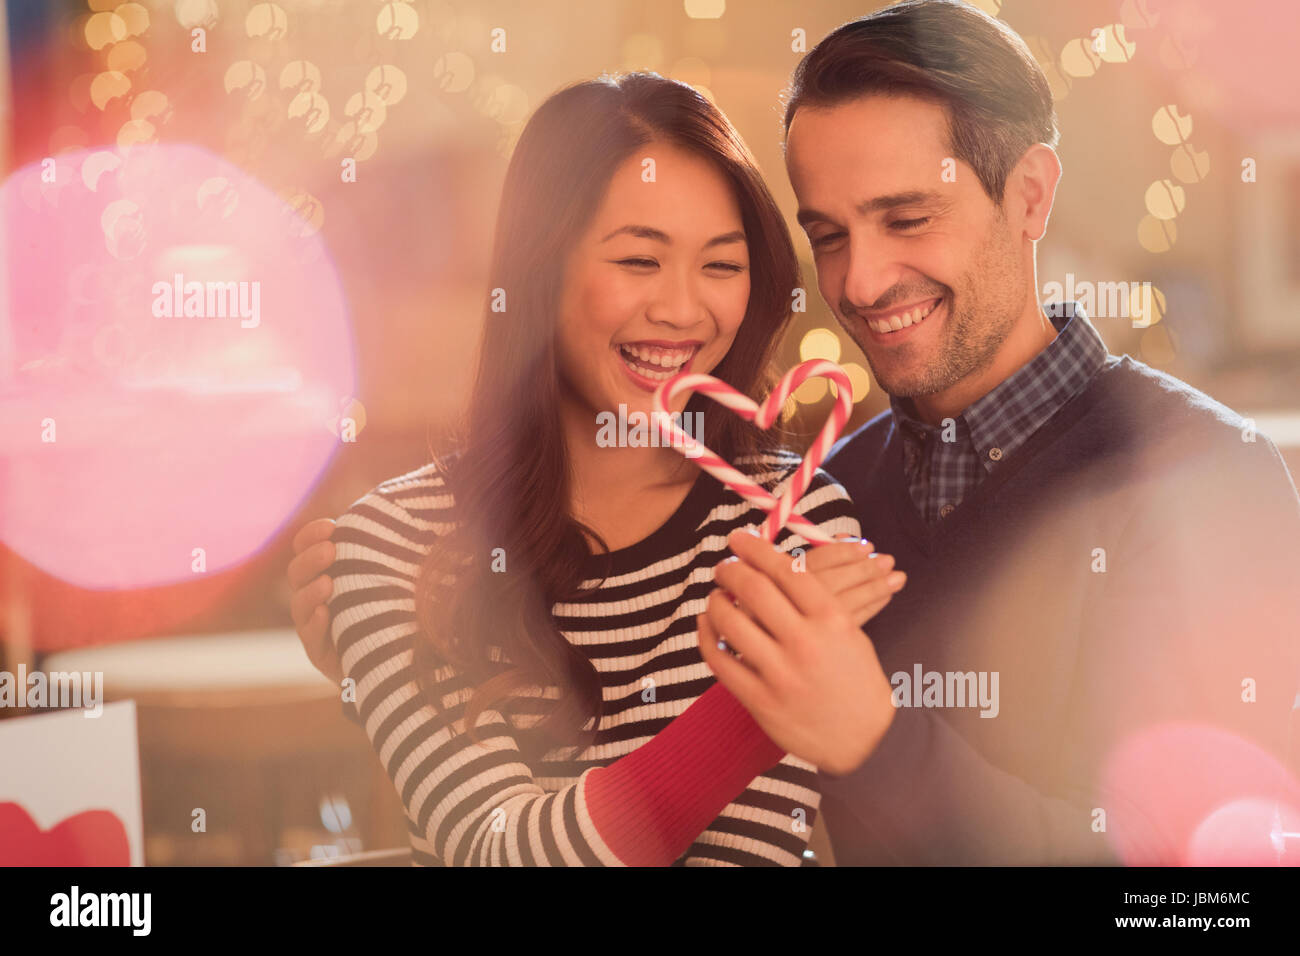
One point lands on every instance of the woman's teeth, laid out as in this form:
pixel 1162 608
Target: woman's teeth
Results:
pixel 655 362
pixel 902 320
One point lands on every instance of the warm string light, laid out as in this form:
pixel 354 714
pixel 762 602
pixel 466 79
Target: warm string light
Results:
pixel 113 29
pixel 1165 198
pixel 275 88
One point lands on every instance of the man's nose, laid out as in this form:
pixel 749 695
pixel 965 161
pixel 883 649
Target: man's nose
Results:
pixel 871 273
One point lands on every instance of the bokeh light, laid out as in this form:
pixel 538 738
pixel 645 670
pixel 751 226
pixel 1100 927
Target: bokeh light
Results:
pixel 132 436
pixel 705 9
pixel 859 381
pixel 1165 199
pixel 1146 305
pixel 1115 46
pixel 1194 794
pixel 820 344
pixel 1157 235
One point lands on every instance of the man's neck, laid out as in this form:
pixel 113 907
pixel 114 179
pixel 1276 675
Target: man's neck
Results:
pixel 1032 333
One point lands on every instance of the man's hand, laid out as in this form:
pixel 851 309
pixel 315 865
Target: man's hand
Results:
pixel 314 553
pixel 806 672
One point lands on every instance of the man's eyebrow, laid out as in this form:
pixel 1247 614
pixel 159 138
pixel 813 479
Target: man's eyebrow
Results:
pixel 913 197
pixel 658 235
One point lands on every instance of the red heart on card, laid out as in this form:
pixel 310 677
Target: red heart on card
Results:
pixel 89 838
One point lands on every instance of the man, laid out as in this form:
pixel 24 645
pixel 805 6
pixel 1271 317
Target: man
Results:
pixel 1095 651
pixel 1094 657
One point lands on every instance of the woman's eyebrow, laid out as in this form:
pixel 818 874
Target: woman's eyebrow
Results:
pixel 658 235
pixel 725 238
pixel 641 232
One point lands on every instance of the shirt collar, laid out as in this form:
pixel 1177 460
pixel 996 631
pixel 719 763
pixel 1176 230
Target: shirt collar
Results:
pixel 1013 410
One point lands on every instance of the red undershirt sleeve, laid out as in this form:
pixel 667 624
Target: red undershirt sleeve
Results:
pixel 650 806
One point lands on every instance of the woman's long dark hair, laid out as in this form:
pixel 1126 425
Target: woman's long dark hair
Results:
pixel 510 475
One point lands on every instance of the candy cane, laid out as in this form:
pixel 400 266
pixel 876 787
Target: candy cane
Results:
pixel 780 513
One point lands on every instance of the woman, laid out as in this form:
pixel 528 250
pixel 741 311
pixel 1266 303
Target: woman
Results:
pixel 519 617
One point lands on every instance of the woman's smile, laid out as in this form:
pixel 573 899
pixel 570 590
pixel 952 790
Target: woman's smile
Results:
pixel 650 362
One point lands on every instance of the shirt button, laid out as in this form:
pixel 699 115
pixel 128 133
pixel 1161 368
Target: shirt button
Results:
pixel 995 454
pixel 945 511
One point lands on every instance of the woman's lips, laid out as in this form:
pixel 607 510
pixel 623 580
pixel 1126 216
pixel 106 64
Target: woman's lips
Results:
pixel 649 365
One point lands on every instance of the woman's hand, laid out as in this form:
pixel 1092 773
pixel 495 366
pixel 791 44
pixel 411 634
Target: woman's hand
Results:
pixel 863 580
pixel 313 555
pixel 806 672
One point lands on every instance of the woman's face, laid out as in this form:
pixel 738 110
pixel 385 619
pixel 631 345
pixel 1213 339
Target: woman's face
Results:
pixel 658 284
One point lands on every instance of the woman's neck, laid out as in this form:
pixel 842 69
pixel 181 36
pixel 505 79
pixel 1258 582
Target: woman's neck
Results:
pixel 606 481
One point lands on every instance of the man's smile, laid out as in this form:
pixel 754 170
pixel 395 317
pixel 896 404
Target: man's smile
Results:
pixel 897 325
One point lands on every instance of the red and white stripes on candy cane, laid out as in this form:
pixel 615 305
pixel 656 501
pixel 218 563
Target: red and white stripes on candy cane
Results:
pixel 779 512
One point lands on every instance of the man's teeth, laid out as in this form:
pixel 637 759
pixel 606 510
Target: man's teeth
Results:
pixel 655 362
pixel 902 320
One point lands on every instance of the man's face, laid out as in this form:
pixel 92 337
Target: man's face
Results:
pixel 925 274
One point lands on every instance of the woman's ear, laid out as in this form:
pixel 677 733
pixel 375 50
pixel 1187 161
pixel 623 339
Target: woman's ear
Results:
pixel 1031 189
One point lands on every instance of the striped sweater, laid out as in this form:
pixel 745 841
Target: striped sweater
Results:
pixel 481 804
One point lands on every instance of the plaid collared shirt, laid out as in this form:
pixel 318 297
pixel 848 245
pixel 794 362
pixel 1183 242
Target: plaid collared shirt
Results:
pixel 940 473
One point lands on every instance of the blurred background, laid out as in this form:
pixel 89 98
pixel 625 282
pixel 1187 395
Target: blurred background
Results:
pixel 344 159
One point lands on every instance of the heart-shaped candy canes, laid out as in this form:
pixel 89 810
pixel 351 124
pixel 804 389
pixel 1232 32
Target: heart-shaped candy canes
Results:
pixel 779 512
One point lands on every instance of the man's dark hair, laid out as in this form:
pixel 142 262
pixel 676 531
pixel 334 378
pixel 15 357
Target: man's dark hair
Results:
pixel 948 52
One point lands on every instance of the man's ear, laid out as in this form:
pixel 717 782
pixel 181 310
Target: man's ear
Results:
pixel 1031 189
